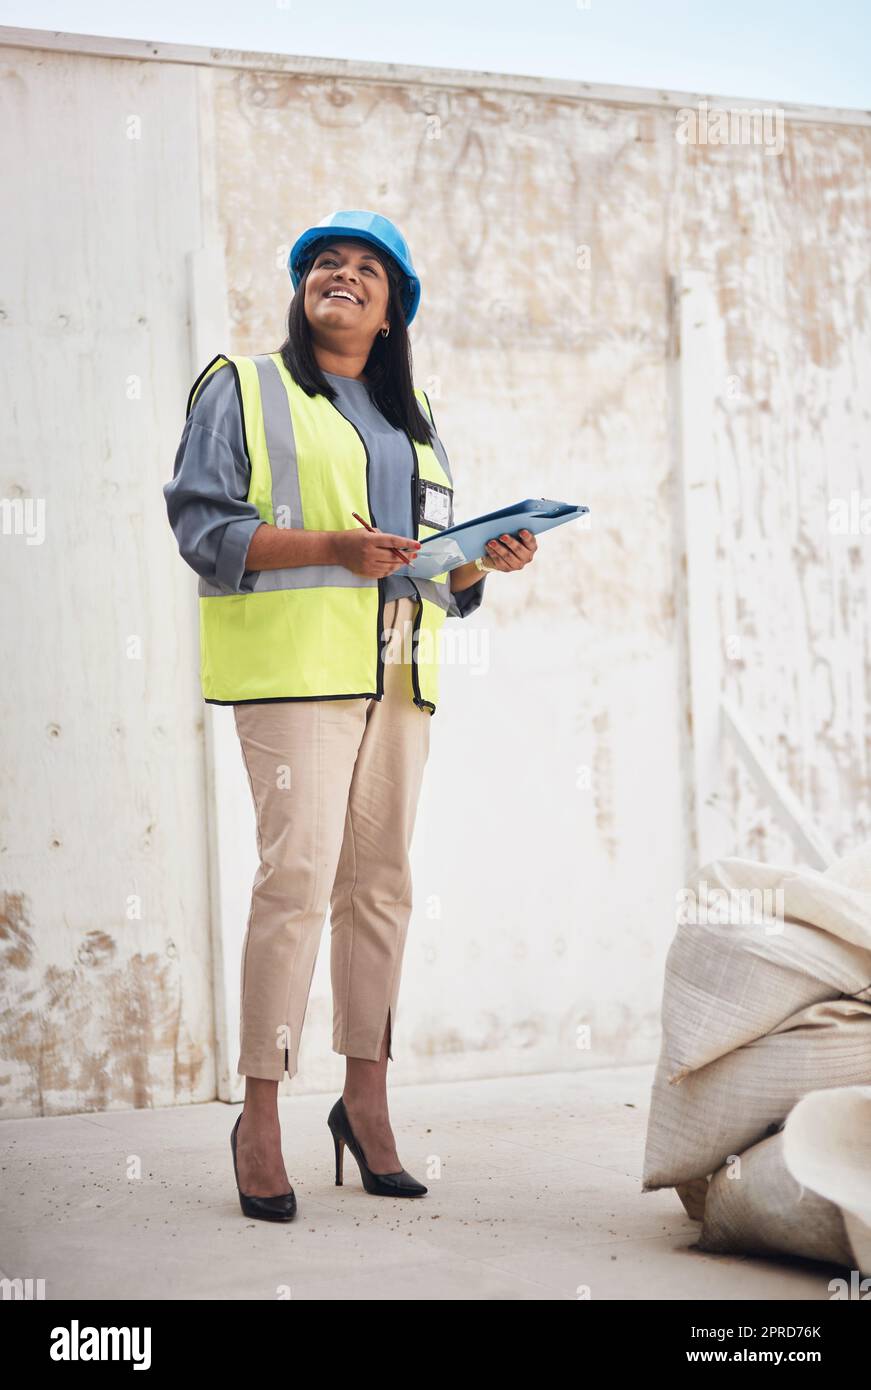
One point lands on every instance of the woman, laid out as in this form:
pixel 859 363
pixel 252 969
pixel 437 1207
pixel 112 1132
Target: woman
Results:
pixel 314 629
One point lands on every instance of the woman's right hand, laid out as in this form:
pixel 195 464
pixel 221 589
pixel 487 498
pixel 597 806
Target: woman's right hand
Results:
pixel 371 552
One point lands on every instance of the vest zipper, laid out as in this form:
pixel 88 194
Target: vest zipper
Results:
pixel 379 687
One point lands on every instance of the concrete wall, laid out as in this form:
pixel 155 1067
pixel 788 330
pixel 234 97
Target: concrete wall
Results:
pixel 558 230
pixel 107 995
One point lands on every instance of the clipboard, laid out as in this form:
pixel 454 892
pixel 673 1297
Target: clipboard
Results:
pixel 457 545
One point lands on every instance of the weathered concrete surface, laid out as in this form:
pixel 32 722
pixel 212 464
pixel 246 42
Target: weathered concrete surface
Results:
pixel 534 1194
pixel 104 922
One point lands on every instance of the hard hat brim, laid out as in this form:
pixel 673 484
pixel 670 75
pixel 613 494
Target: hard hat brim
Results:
pixel 302 247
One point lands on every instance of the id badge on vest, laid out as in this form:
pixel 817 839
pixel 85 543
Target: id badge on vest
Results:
pixel 434 505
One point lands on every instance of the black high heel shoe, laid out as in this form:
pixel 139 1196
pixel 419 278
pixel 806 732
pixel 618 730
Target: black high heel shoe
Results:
pixel 282 1208
pixel 399 1184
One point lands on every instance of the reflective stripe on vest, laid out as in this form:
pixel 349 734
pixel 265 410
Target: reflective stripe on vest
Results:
pixel 313 631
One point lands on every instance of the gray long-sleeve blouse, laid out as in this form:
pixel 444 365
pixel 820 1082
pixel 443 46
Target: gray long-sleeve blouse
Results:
pixel 206 499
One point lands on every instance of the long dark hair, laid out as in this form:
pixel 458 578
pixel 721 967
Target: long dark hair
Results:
pixel 388 366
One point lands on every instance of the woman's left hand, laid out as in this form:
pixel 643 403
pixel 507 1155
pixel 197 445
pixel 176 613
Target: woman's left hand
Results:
pixel 510 553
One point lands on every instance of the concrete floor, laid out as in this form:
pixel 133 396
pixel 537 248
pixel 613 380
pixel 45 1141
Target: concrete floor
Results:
pixel 539 1195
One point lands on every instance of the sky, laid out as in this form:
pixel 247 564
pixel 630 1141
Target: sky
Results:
pixel 815 52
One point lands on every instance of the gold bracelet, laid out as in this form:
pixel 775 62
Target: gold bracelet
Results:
pixel 482 565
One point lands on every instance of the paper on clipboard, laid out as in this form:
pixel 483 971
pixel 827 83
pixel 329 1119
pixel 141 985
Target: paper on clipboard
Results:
pixel 441 553
pixel 467 540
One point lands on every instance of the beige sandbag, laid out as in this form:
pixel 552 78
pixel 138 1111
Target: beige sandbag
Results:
pixel 693 1195
pixel 728 983
pixel 738 1100
pixel 827 1147
pixel 741 1041
pixel 757 1207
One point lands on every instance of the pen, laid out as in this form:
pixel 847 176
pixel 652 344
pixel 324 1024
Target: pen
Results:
pixel 393 547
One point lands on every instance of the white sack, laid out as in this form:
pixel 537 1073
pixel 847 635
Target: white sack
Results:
pixel 759 1208
pixel 733 1103
pixel 754 1019
pixel 827 1147
pixel 805 1191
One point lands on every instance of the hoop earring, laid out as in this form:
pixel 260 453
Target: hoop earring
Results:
pixel 385 332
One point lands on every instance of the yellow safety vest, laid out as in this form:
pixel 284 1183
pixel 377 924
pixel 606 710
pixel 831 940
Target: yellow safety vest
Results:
pixel 314 632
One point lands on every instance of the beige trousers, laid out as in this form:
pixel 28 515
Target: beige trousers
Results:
pixel 335 785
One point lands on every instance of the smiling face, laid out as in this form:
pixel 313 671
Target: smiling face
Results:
pixel 346 296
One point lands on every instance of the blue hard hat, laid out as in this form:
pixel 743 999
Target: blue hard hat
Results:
pixel 368 226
